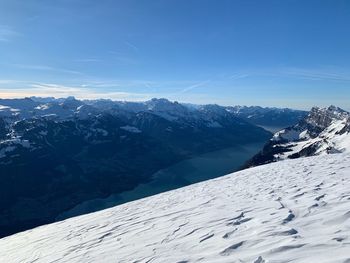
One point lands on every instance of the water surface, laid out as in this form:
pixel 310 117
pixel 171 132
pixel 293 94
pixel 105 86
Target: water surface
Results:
pixel 197 169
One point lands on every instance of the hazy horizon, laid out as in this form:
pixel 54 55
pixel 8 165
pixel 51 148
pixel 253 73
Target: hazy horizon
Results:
pixel 182 102
pixel 223 52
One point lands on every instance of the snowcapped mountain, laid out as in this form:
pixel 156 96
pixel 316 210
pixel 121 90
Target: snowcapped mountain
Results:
pixel 58 153
pixel 290 211
pixel 272 119
pixel 322 131
pixel 68 108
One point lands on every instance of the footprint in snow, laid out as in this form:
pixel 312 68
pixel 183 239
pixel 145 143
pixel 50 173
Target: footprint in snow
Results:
pixel 260 260
pixel 289 232
pixel 320 197
pixel 319 185
pixel 289 218
pixel 312 207
pixel 228 251
pixel 339 239
pixel 298 195
pixel 238 220
pixel 286 248
pixel 206 238
pixel 229 234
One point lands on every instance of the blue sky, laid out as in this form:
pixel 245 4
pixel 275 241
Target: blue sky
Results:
pixel 291 53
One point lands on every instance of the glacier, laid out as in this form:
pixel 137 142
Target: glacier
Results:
pixel 289 211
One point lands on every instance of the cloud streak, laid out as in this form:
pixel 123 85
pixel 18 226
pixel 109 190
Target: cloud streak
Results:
pixel 132 46
pixel 59 91
pixel 194 86
pixel 316 74
pixel 7 33
pixel 87 60
pixel 46 68
pixel 133 90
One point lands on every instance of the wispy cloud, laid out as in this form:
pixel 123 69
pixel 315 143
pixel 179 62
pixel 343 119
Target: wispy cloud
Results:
pixel 7 33
pixel 87 60
pixel 56 88
pixel 46 68
pixel 132 46
pixel 239 76
pixel 138 90
pixel 194 86
pixel 11 81
pixel 81 92
pixel 316 74
pixel 122 58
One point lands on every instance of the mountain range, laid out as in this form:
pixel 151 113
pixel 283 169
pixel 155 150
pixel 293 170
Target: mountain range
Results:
pixel 58 153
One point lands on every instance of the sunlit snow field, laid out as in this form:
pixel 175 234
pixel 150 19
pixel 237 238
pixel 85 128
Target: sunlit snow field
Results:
pixel 290 211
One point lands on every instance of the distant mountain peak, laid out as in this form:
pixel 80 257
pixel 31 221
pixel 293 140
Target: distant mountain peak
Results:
pixel 323 117
pixel 330 110
pixel 71 98
pixel 163 100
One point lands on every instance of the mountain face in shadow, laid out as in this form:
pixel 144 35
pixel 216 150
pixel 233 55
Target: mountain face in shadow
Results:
pixel 57 153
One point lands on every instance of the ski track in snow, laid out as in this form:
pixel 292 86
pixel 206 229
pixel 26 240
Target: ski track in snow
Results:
pixel 289 211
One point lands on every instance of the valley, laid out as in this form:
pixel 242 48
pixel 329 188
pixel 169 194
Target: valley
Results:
pixel 56 154
pixel 200 168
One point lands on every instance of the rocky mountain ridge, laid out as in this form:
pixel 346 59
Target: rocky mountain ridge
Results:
pixel 322 131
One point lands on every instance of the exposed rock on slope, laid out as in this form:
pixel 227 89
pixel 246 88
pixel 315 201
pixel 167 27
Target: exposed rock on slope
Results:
pixel 323 131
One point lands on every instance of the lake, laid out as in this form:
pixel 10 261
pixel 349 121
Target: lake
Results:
pixel 200 168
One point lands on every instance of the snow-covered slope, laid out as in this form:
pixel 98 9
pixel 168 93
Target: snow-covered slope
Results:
pixel 330 140
pixel 289 211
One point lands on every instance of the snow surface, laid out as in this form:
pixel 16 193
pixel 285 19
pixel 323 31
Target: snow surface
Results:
pixel 131 129
pixel 2 108
pixel 214 124
pixel 10 145
pixel 289 135
pixel 289 211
